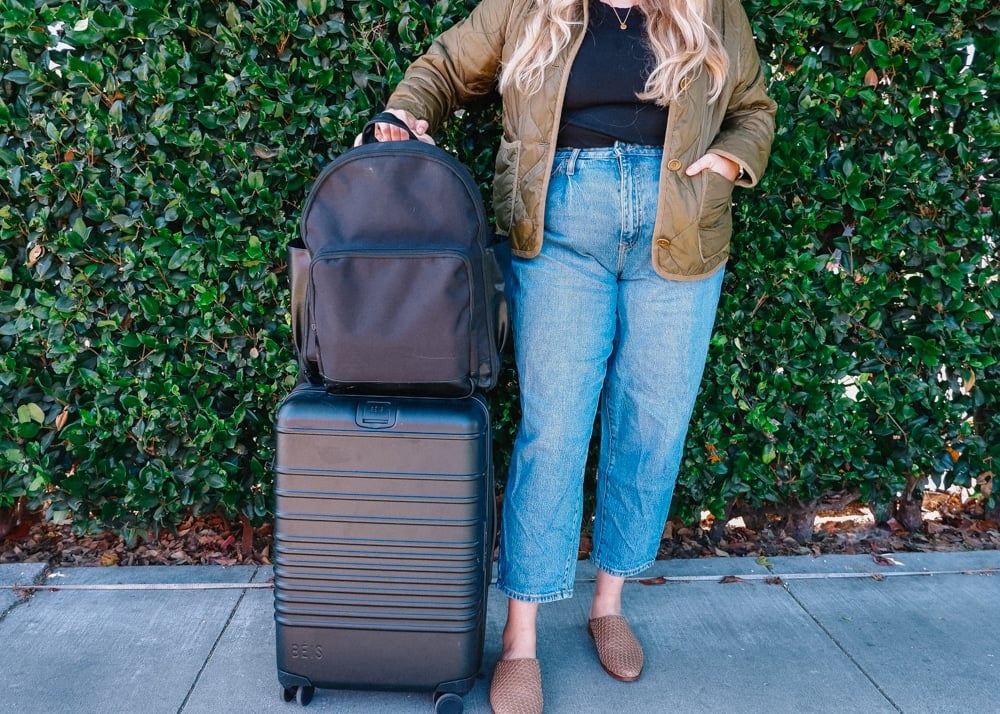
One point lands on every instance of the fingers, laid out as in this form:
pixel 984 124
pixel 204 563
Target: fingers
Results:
pixel 390 132
pixel 713 162
pixel 698 166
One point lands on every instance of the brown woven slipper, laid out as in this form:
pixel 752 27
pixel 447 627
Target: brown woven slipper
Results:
pixel 617 648
pixel 516 687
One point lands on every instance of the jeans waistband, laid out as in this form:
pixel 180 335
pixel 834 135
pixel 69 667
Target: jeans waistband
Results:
pixel 620 149
pixel 616 149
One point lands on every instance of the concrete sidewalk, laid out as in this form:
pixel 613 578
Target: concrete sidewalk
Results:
pixel 834 634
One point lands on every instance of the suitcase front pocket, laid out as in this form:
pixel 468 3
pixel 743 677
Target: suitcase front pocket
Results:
pixel 394 318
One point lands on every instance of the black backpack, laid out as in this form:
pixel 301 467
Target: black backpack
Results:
pixel 395 285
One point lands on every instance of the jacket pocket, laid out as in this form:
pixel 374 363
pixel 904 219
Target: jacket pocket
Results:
pixel 715 224
pixel 505 183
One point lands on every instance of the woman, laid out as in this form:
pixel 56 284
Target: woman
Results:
pixel 626 124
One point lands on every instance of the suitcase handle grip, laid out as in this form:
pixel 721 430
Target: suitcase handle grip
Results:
pixel 368 133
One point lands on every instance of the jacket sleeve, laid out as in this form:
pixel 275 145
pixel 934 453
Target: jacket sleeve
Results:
pixel 462 63
pixel 748 127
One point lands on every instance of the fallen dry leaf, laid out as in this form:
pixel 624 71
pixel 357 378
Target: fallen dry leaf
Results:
pixel 885 559
pixel 668 530
pixel 729 579
pixel 659 580
pixel 246 535
pixel 34 255
pixel 774 581
pixel 895 526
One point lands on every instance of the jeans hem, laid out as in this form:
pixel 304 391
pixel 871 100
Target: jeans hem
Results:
pixel 525 597
pixel 622 573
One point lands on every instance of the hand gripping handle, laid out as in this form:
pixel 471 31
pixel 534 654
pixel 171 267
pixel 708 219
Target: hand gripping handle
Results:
pixel 368 133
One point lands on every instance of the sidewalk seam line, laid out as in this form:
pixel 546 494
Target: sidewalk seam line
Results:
pixel 43 574
pixel 215 645
pixel 839 646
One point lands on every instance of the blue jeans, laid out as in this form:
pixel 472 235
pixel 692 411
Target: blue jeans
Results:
pixel 594 325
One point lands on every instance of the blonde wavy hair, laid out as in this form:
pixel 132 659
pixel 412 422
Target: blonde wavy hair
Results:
pixel 679 34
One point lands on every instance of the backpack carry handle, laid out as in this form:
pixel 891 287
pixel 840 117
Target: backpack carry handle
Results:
pixel 368 133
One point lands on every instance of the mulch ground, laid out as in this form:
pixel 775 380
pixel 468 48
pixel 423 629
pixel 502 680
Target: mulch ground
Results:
pixel 950 524
pixel 204 540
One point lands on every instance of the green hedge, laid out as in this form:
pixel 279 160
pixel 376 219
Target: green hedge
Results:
pixel 856 354
pixel 154 157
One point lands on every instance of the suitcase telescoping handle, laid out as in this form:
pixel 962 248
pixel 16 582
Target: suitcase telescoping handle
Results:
pixel 368 133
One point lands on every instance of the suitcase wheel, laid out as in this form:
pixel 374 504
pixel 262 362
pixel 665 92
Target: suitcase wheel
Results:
pixel 302 695
pixel 448 703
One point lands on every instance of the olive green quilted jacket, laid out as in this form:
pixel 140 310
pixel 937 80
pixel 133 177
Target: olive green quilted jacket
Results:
pixel 694 219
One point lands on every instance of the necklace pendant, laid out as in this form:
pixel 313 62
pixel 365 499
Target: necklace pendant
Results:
pixel 622 21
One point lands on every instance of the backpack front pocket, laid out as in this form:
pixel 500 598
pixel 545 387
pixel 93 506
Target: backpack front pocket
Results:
pixel 400 317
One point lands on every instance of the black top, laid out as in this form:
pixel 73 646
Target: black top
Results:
pixel 600 106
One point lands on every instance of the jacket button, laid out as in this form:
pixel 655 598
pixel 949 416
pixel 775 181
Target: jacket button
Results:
pixel 663 242
pixel 673 164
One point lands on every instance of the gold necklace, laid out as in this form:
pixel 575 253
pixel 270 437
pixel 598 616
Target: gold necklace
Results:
pixel 621 21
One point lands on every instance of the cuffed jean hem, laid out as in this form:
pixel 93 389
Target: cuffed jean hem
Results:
pixel 524 597
pixel 617 573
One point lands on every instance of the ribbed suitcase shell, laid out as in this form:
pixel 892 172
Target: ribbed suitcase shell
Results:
pixel 382 541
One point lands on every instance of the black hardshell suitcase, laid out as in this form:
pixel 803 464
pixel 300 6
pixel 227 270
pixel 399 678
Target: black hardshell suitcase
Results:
pixel 383 539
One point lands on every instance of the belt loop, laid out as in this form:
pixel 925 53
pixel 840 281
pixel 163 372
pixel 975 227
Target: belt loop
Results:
pixel 571 164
